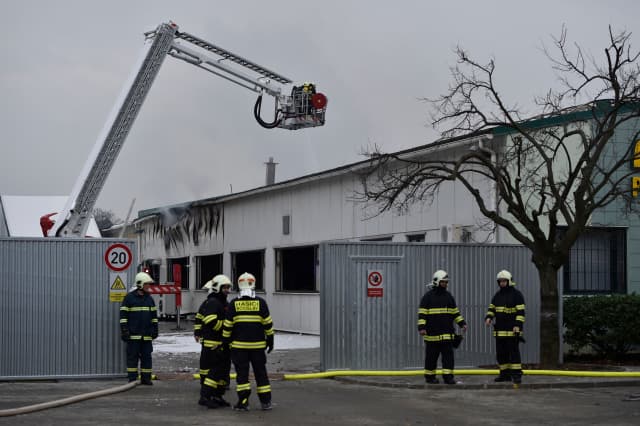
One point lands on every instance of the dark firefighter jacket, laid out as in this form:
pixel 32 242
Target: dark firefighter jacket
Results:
pixel 248 324
pixel 507 307
pixel 437 313
pixel 209 320
pixel 138 316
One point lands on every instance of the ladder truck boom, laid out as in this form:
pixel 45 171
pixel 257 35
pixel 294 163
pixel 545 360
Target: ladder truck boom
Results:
pixel 302 108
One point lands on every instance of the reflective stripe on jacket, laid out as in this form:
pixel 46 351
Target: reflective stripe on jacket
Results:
pixel 248 323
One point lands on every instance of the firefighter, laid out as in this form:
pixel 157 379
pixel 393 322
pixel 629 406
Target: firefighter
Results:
pixel 436 315
pixel 138 328
pixel 507 310
pixel 249 330
pixel 215 361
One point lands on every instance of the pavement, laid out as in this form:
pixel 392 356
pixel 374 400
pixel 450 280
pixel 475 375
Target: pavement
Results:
pixel 351 400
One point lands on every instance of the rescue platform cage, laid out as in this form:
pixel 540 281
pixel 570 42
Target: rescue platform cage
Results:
pixel 302 110
pixel 370 293
pixel 56 318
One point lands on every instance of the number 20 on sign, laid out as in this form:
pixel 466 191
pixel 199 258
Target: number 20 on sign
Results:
pixel 118 257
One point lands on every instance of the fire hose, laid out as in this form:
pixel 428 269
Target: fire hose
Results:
pixel 65 401
pixel 325 374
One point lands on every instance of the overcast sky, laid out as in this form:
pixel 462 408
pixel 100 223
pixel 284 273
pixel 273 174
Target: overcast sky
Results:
pixel 63 64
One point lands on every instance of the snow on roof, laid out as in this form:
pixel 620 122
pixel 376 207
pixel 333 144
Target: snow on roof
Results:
pixel 22 214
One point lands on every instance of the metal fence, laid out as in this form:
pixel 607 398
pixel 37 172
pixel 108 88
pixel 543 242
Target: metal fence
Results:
pixel 370 293
pixel 56 319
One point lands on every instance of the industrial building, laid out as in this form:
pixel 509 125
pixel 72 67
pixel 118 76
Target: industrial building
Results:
pixel 274 232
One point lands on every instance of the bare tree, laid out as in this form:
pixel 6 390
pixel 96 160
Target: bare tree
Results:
pixel 550 175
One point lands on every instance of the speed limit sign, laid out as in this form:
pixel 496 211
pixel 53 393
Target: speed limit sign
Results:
pixel 118 257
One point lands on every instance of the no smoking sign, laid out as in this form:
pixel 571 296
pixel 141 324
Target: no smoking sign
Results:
pixel 374 284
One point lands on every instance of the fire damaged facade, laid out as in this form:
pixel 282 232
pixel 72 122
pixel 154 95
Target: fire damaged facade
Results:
pixel 275 232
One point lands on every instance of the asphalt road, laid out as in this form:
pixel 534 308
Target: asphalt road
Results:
pixel 173 400
pixel 325 402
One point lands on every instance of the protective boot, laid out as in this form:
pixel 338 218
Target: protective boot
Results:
pixel 431 379
pixel 503 377
pixel 448 379
pixel 243 401
pixel 220 401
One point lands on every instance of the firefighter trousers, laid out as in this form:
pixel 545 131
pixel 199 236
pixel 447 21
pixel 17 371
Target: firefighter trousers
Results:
pixel 432 352
pixel 217 364
pixel 139 350
pixel 508 356
pixel 258 359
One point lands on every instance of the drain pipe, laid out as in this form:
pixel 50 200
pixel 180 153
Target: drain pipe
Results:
pixel 494 162
pixel 65 401
pixel 479 372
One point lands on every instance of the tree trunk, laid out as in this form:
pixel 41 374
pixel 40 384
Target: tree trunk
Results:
pixel 549 326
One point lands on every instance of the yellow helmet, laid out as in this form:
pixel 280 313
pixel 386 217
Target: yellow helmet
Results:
pixel 247 282
pixel 143 278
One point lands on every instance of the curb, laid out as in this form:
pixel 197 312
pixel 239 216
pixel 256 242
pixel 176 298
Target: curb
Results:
pixel 482 386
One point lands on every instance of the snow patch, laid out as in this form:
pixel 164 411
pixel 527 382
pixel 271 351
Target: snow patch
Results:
pixel 185 343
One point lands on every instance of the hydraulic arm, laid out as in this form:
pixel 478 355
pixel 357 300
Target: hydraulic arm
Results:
pixel 302 108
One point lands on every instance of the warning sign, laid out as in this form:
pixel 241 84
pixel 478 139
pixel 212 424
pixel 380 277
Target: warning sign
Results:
pixel 118 284
pixel 374 284
pixel 117 287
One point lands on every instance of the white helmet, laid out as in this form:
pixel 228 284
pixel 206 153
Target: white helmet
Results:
pixel 247 282
pixel 438 276
pixel 208 286
pixel 143 278
pixel 218 281
pixel 505 275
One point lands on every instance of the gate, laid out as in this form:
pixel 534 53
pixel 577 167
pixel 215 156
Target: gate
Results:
pixel 370 292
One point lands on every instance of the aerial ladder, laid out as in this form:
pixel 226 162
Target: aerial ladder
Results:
pixel 301 108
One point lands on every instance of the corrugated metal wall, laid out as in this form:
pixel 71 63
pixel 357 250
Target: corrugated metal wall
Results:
pixel 56 320
pixel 380 333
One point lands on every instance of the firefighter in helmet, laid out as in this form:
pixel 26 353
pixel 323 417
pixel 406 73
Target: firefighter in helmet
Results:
pixel 249 331
pixel 138 328
pixel 215 361
pixel 506 313
pixel 436 315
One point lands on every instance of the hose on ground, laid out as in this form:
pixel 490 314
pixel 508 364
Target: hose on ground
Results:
pixel 65 401
pixel 326 374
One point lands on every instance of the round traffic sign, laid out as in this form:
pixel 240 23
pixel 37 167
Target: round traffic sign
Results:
pixel 118 257
pixel 374 278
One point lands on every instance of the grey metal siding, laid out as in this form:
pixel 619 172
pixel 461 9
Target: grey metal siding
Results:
pixel 380 333
pixel 55 314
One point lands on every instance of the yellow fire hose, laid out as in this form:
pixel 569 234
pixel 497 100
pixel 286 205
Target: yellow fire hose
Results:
pixel 480 372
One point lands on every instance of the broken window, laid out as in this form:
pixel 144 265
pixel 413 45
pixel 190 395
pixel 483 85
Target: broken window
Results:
pixel 297 269
pixel 248 261
pixel 207 268
pixel 184 264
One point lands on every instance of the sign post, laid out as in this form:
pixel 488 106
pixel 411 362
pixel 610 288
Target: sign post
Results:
pixel 118 259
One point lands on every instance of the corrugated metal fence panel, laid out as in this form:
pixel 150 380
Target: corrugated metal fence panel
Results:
pixel 56 317
pixel 361 332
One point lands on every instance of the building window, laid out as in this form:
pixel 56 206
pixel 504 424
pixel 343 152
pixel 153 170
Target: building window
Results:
pixel 415 238
pixel 286 225
pixel 389 238
pixel 297 269
pixel 151 267
pixel 597 263
pixel 207 267
pixel 248 261
pixel 184 264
